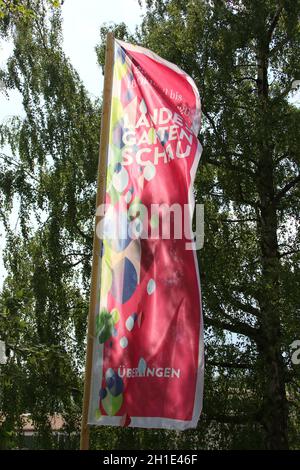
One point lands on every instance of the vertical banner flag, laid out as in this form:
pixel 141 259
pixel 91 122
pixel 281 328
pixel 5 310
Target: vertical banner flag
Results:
pixel 148 356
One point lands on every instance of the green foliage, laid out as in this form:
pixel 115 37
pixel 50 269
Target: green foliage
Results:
pixel 120 32
pixel 104 326
pixel 243 56
pixel 51 170
pixel 12 11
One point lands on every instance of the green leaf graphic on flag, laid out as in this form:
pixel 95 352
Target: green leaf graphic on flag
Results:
pixel 104 325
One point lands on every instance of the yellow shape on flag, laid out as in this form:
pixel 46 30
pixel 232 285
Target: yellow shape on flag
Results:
pixel 120 69
pixel 116 112
pixel 106 277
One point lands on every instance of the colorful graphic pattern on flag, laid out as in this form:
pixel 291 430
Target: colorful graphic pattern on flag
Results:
pixel 148 347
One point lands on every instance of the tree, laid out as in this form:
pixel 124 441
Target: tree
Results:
pixel 243 56
pixel 48 172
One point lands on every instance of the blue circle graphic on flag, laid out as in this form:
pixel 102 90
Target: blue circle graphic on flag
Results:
pixel 124 280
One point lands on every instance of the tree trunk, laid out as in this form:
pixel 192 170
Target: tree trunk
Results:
pixel 274 415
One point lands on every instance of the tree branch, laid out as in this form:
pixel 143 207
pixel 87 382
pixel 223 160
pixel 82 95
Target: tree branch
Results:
pixel 287 253
pixel 245 307
pixel 233 221
pixel 236 327
pixel 12 161
pixel 286 188
pixel 229 365
pixel 84 235
pixel 233 419
pixel 228 165
pixel 274 22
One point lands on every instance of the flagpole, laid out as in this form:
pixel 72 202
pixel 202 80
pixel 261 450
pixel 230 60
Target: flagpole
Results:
pixel 97 243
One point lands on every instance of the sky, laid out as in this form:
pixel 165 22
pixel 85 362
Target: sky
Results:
pixel 81 26
pixel 81 32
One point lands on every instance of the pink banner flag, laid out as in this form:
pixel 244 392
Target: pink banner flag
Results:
pixel 148 358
